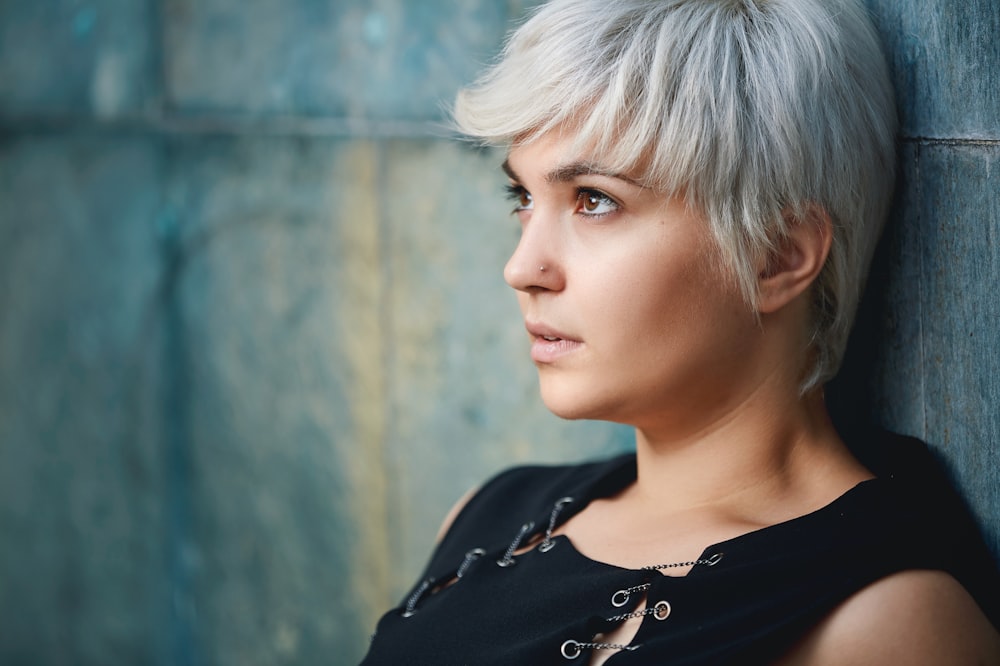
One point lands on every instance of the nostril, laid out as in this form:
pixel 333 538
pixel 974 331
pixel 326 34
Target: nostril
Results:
pixel 522 275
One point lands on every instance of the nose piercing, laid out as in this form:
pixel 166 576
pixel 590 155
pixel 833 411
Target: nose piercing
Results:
pixel 541 269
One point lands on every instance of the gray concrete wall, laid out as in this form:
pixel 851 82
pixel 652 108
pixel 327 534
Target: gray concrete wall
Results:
pixel 254 339
pixel 937 373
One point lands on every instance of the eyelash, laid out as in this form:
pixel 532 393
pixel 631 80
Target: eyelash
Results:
pixel 517 193
pixel 587 193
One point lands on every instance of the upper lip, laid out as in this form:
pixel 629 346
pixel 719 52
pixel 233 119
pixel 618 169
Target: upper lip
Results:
pixel 539 330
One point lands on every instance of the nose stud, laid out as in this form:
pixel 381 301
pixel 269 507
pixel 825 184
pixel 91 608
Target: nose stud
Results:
pixel 541 269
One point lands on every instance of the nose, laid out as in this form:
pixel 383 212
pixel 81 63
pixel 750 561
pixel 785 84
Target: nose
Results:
pixel 535 264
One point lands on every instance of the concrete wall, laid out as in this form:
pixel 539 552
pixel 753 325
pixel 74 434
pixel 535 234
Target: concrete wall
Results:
pixel 938 367
pixel 254 339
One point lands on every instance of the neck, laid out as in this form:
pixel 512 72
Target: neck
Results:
pixel 765 450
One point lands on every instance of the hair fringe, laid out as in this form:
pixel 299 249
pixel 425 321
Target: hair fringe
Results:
pixel 752 110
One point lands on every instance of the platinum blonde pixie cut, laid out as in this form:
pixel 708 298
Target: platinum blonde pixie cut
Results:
pixel 754 111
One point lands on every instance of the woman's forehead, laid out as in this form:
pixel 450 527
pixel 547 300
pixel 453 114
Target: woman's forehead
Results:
pixel 572 155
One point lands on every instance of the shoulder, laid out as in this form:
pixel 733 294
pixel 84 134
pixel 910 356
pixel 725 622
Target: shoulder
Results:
pixel 912 617
pixel 492 513
pixel 906 575
pixel 521 492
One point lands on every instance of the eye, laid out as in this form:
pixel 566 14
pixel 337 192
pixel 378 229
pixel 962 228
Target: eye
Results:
pixel 594 203
pixel 521 198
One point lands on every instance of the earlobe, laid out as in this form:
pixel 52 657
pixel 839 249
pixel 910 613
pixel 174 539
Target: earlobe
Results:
pixel 794 264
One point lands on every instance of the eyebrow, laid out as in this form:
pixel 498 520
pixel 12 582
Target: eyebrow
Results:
pixel 570 171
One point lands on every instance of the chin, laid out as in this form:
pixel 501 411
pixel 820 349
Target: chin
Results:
pixel 572 404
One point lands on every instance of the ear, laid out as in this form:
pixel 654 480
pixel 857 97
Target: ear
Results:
pixel 792 267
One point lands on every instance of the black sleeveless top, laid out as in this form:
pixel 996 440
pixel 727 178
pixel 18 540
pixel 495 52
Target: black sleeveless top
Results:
pixel 747 601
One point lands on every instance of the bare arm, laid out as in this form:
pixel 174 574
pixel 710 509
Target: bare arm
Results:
pixel 916 618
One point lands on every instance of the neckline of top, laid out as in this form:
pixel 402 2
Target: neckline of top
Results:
pixel 620 474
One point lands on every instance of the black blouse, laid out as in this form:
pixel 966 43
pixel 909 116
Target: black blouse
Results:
pixel 747 601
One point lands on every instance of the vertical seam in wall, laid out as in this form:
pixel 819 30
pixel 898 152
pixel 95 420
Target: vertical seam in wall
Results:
pixel 159 65
pixel 173 376
pixel 177 455
pixel 387 353
pixel 920 292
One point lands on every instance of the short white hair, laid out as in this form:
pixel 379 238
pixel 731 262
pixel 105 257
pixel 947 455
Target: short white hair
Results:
pixel 753 110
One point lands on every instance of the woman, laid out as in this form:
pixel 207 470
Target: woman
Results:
pixel 700 185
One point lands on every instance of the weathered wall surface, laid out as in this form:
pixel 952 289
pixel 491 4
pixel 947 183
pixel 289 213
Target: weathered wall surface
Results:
pixel 938 367
pixel 254 339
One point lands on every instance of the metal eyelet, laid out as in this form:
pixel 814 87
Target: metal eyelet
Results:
pixel 621 597
pixel 714 559
pixel 661 610
pixel 557 508
pixel 470 557
pixel 571 649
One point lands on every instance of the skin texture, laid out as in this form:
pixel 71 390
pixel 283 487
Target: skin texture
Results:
pixel 919 618
pixel 632 320
pixel 664 307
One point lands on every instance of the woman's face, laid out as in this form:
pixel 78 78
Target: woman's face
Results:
pixel 629 315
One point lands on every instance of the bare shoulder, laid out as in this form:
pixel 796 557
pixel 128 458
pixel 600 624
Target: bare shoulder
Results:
pixel 913 617
pixel 453 513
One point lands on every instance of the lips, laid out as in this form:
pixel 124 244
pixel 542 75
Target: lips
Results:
pixel 549 344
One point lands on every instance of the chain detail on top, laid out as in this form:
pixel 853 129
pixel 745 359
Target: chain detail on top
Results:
pixel 547 543
pixel 572 649
pixel 508 557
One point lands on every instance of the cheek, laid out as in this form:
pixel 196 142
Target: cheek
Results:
pixel 664 285
pixel 681 300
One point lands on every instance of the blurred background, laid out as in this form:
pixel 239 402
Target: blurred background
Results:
pixel 254 337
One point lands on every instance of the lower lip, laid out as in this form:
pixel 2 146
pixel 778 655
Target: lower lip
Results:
pixel 548 351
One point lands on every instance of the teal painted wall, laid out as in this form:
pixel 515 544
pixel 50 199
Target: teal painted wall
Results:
pixel 254 339
pixel 937 371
